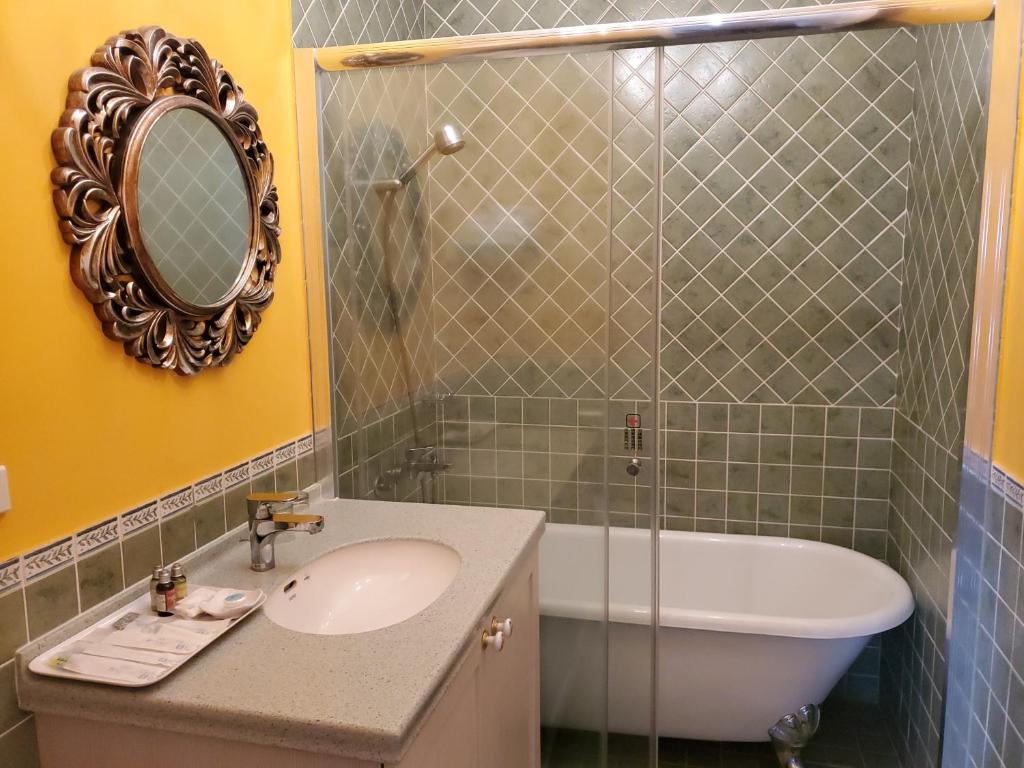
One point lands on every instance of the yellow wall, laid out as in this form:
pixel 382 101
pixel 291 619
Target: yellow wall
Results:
pixel 85 431
pixel 1008 446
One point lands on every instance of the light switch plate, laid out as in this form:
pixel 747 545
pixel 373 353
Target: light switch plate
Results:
pixel 5 491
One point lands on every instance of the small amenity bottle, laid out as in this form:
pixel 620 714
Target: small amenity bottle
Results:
pixel 180 582
pixel 165 594
pixel 153 582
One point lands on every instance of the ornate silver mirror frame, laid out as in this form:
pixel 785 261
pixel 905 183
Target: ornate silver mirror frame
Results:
pixel 112 105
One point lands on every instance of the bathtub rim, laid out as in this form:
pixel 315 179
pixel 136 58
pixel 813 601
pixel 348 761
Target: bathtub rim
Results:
pixel 897 608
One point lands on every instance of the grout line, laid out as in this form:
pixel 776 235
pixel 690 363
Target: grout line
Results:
pixel 16 726
pixel 24 605
pixel 78 591
pixel 856 478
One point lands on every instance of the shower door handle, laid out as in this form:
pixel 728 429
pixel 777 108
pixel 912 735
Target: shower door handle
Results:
pixel 633 468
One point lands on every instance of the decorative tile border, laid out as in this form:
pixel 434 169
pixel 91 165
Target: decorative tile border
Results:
pixel 261 464
pixel 10 574
pixel 1014 492
pixel 1007 487
pixel 140 517
pixel 21 569
pixel 236 476
pixel 998 479
pixel 175 502
pixel 47 558
pixel 97 536
pixel 284 454
pixel 204 489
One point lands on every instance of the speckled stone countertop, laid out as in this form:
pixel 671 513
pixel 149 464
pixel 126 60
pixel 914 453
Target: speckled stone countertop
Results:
pixel 361 696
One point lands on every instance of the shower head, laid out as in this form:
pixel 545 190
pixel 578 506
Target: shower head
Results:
pixel 447 141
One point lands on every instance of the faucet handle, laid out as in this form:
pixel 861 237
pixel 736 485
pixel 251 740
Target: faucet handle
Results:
pixel 258 504
pixel 293 519
pixel 293 522
pixel 281 497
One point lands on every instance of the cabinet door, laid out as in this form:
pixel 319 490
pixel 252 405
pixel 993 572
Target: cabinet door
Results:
pixel 509 679
pixel 450 737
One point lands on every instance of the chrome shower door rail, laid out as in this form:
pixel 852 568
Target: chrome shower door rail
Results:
pixel 749 25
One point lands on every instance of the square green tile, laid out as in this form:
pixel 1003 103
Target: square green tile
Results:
pixel 235 507
pixel 743 447
pixel 263 483
pixel 286 477
pixel 13 630
pixel 141 553
pixel 742 477
pixel 100 575
pixel 10 714
pixel 209 519
pixel 306 468
pixel 19 747
pixel 51 600
pixel 773 508
pixel 710 504
pixel 178 535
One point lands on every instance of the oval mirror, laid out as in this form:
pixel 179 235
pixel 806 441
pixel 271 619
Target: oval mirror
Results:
pixel 194 207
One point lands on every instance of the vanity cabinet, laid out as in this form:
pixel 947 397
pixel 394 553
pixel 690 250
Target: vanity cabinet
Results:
pixel 487 715
pixel 510 682
pixel 490 713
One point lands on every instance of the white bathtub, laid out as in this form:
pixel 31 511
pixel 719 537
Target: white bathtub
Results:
pixel 750 628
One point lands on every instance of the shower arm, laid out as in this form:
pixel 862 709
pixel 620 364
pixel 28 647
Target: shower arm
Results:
pixel 402 181
pixel 420 161
pixel 387 207
pixel 447 141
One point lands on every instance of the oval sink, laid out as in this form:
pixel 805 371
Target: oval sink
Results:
pixel 363 587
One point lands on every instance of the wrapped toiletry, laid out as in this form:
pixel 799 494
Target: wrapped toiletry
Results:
pixel 218 603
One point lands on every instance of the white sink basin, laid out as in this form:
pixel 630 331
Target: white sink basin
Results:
pixel 363 587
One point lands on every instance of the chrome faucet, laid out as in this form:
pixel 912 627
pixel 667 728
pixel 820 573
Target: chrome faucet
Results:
pixel 269 516
pixel 423 459
pixel 417 460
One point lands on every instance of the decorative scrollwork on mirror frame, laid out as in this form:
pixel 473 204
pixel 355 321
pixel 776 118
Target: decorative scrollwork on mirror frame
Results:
pixel 95 149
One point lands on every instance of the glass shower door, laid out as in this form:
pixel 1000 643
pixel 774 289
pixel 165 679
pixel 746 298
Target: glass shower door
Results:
pixel 538 227
pixel 633 430
pixel 470 312
pixel 522 240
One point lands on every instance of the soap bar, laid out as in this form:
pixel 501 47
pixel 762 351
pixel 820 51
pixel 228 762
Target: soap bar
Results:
pixel 229 603
pixel 192 606
pixel 219 603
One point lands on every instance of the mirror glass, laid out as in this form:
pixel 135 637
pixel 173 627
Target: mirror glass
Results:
pixel 194 207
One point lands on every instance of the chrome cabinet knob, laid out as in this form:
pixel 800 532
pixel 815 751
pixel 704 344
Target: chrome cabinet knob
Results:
pixel 501 626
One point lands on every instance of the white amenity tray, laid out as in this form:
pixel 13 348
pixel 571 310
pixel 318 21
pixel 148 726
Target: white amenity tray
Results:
pixel 43 663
